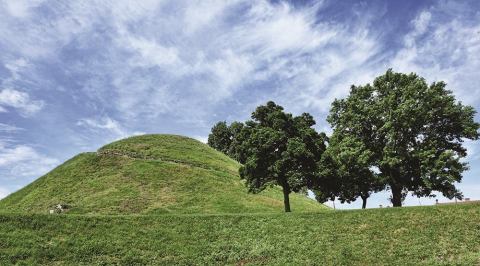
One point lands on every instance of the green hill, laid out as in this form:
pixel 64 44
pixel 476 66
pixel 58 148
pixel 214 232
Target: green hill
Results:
pixel 150 174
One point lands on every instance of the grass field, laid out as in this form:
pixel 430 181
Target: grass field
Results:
pixel 439 235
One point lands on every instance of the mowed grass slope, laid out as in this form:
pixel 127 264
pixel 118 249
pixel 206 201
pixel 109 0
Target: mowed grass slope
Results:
pixel 150 174
pixel 437 235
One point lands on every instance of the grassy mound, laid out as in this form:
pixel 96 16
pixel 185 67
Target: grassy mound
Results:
pixel 150 174
pixel 438 235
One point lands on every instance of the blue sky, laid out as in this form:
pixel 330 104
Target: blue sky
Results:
pixel 75 75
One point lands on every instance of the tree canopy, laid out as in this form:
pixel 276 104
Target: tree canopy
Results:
pixel 221 137
pixel 280 150
pixel 410 131
pixel 229 139
pixel 346 172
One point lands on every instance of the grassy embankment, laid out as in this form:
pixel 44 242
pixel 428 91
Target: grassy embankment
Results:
pixel 448 235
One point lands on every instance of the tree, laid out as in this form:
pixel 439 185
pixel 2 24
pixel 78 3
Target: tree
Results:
pixel 413 132
pixel 344 173
pixel 351 162
pixel 327 182
pixel 229 139
pixel 280 150
pixel 221 137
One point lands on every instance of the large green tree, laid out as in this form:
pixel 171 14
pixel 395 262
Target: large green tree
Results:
pixel 412 131
pixel 280 150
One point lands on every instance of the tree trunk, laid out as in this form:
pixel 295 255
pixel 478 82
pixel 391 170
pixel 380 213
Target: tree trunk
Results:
pixel 364 202
pixel 396 196
pixel 286 198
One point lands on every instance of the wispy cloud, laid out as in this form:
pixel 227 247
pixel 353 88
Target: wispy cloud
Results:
pixel 162 57
pixel 16 67
pixel 107 125
pixel 9 128
pixel 10 98
pixel 150 53
pixel 104 123
pixel 443 46
pixel 21 8
pixel 23 161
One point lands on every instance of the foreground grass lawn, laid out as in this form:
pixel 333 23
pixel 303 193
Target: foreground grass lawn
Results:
pixel 448 235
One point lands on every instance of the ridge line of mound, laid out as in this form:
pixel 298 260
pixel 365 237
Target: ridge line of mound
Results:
pixel 139 156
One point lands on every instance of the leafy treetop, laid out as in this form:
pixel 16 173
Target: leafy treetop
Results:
pixel 281 150
pixel 411 131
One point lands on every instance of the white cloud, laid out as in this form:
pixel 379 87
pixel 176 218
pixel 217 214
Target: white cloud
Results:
pixel 224 74
pixel 106 124
pixel 23 161
pixel 277 29
pixel 203 13
pixel 21 8
pixel 420 24
pixel 141 97
pixel 14 155
pixel 16 66
pixel 150 53
pixel 9 128
pixel 20 101
pixel 124 10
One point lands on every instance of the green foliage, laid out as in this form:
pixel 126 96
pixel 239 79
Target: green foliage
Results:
pixel 240 134
pixel 411 131
pixel 439 235
pixel 150 174
pixel 229 139
pixel 221 137
pixel 281 150
pixel 345 171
